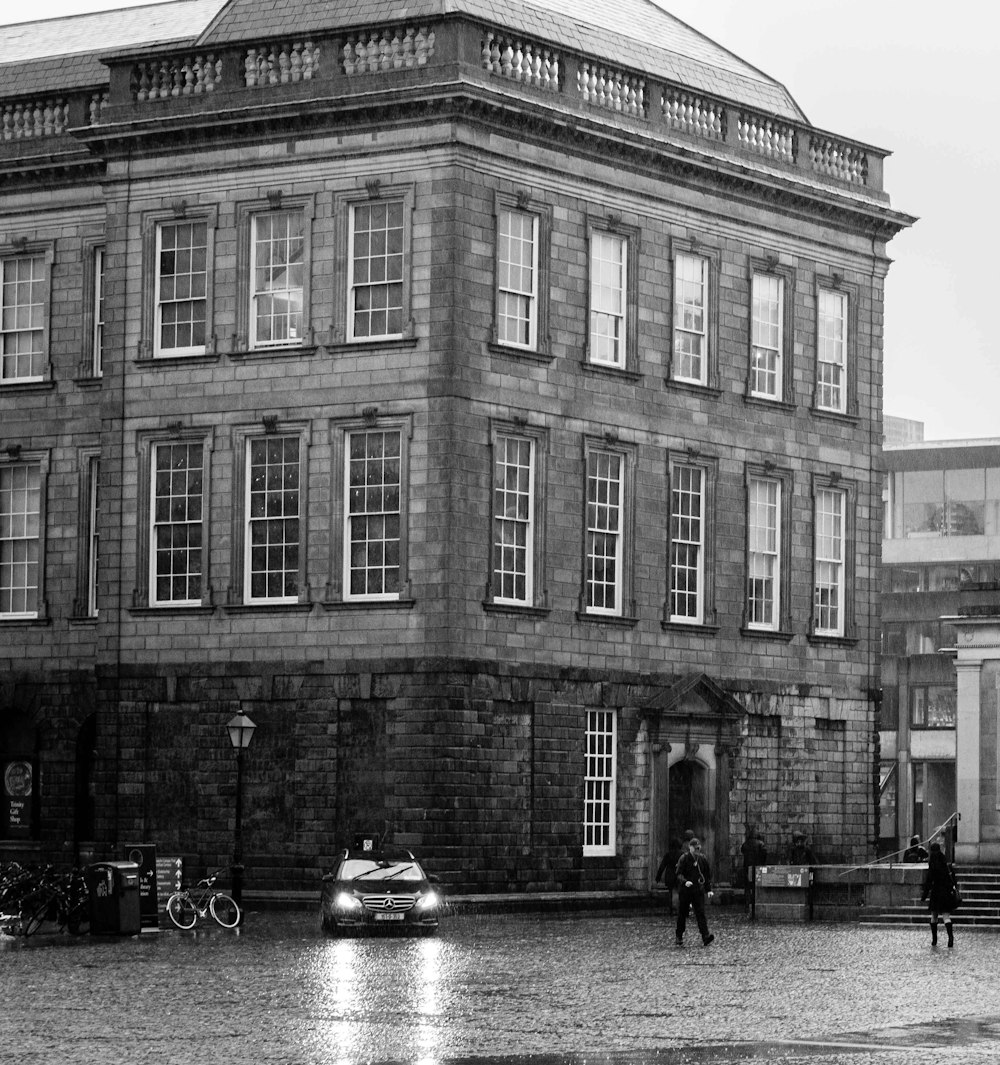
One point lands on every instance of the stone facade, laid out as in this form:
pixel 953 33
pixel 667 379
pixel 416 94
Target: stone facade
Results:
pixel 443 716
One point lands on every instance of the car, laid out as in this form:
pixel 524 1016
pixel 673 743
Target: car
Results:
pixel 375 889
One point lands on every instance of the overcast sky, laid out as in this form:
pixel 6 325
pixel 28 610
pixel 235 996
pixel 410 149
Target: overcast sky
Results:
pixel 898 75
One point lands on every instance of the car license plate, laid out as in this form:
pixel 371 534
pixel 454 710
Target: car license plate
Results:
pixel 388 917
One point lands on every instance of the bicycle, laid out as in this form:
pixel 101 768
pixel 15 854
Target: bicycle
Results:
pixel 32 897
pixel 184 909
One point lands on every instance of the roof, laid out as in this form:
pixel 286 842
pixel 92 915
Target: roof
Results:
pixel 65 53
pixel 634 34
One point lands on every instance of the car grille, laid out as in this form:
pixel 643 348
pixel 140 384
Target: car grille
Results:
pixel 389 903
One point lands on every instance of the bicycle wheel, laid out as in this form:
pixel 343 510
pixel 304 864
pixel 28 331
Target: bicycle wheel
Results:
pixel 33 921
pixel 181 910
pixel 224 909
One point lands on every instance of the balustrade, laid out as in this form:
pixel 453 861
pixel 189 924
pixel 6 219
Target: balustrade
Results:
pixel 693 114
pixel 281 64
pixel 838 160
pixel 382 50
pixel 767 137
pixel 95 108
pixel 615 90
pixel 185 76
pixel 521 60
pixel 35 118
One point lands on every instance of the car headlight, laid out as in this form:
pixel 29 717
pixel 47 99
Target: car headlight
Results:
pixel 430 901
pixel 344 901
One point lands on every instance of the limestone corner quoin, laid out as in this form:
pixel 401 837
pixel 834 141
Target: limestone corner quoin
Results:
pixel 489 411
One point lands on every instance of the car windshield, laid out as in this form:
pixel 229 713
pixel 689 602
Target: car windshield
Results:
pixel 387 869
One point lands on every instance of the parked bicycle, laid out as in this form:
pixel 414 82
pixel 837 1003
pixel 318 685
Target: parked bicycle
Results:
pixel 184 908
pixel 32 896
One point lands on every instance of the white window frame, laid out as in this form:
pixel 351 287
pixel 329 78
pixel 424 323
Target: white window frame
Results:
pixel 609 281
pixel 155 526
pixel 605 521
pixel 686 324
pixel 600 783
pixel 97 311
pixel 687 531
pixel 21 542
pixel 93 536
pixel 13 307
pixel 829 602
pixel 514 533
pixel 511 293
pixel 386 283
pixel 352 514
pixel 268 493
pixel 291 292
pixel 831 350
pixel 767 344
pixel 159 349
pixel 764 542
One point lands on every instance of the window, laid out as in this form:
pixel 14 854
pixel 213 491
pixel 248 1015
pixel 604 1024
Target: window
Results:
pixel 764 535
pixel 373 514
pixel 608 299
pixel 23 295
pixel 687 544
pixel 20 539
pixel 377 264
pixel 933 706
pixel 599 784
pixel 97 309
pixel 272 535
pixel 828 592
pixel 513 520
pixel 690 361
pixel 605 543
pixel 177 509
pixel 91 539
pixel 181 293
pixel 277 246
pixel 517 290
pixel 831 351
pixel 767 337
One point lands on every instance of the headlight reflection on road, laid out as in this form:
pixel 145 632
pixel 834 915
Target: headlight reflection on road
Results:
pixel 428 1001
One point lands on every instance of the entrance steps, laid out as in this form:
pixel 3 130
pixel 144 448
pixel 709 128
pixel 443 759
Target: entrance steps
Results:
pixel 980 907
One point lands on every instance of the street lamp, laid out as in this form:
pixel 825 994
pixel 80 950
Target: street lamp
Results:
pixel 241 730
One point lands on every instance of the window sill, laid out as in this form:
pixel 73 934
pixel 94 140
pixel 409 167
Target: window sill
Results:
pixel 170 611
pixel 770 404
pixel 543 358
pixel 767 634
pixel 24 623
pixel 692 388
pixel 284 351
pixel 88 380
pixel 376 344
pixel 616 621
pixel 27 386
pixel 148 362
pixel 242 609
pixel 614 373
pixel 83 620
pixel 344 605
pixel 832 641
pixel 691 628
pixel 836 415
pixel 514 610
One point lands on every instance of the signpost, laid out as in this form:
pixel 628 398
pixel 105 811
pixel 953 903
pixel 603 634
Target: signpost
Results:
pixel 144 856
pixel 168 877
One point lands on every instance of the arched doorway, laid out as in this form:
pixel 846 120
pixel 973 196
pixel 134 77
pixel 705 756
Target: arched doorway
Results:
pixel 687 799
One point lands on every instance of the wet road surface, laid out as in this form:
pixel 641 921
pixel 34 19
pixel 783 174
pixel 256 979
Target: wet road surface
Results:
pixel 544 990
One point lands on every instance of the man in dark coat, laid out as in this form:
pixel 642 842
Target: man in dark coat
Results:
pixel 915 853
pixel 694 886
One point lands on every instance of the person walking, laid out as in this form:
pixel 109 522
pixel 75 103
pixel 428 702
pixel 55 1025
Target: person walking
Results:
pixel 939 891
pixel 754 854
pixel 667 871
pixel 694 886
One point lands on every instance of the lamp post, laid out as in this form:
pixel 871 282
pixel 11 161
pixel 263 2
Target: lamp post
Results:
pixel 241 730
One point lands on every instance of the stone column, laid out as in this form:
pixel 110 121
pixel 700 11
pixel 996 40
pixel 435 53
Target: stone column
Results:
pixel 967 764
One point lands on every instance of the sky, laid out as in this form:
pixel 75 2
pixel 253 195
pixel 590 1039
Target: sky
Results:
pixel 896 75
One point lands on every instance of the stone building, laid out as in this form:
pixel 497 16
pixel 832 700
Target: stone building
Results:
pixel 487 406
pixel 940 768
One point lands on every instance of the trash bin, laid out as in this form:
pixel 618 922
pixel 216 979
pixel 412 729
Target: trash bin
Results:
pixel 113 889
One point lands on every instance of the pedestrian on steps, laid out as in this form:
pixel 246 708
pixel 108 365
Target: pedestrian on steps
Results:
pixel 939 891
pixel 694 886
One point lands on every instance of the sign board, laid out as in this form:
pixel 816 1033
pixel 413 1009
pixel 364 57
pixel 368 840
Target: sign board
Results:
pixel 168 877
pixel 787 876
pixel 18 789
pixel 144 856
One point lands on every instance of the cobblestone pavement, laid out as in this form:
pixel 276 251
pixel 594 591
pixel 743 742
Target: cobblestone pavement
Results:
pixel 545 990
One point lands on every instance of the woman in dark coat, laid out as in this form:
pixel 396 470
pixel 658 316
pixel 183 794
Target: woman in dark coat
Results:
pixel 939 890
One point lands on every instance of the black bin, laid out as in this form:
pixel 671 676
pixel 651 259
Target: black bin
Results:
pixel 113 888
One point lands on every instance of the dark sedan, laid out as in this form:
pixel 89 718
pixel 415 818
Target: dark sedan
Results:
pixel 379 892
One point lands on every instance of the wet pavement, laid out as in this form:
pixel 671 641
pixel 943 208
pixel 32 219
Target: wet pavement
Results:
pixel 541 989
